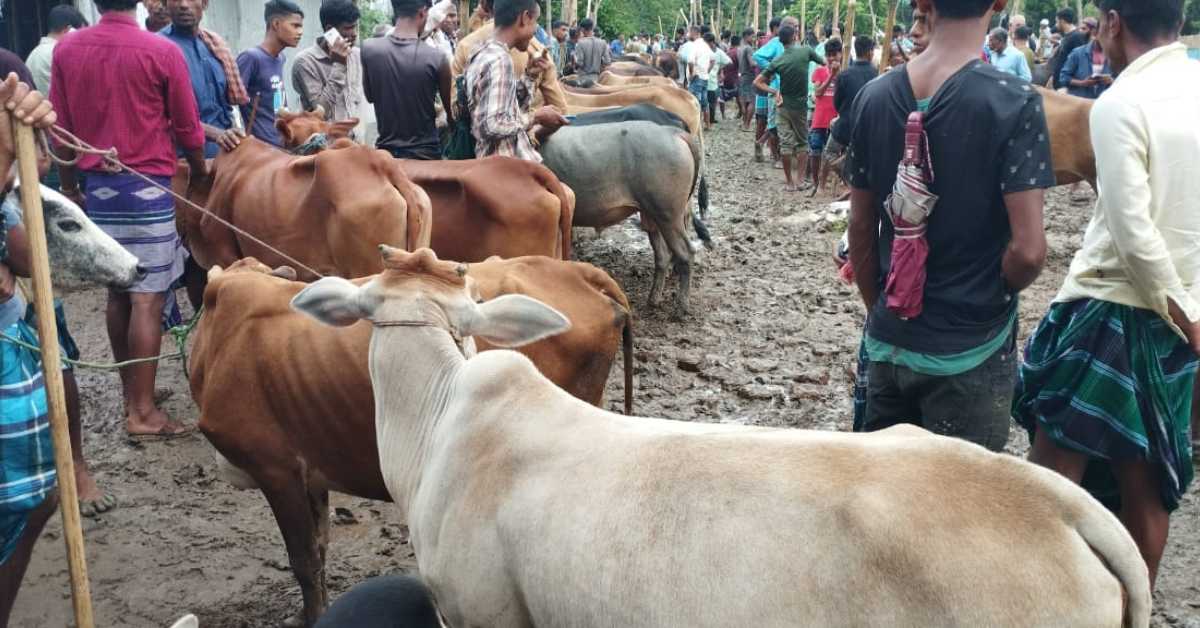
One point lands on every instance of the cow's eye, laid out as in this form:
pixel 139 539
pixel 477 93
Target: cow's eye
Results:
pixel 69 226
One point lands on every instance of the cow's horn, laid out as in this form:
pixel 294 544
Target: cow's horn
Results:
pixel 320 111
pixel 285 272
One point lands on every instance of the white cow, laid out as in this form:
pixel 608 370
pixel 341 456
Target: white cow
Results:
pixel 528 507
pixel 78 249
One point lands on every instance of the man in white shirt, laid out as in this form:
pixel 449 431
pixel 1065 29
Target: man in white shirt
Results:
pixel 62 19
pixel 699 64
pixel 685 50
pixel 1108 377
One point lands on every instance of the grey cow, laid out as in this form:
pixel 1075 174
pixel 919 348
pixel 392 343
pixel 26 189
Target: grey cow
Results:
pixel 620 169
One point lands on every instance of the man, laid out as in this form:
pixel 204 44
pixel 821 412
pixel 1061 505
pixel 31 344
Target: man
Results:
pixel 730 79
pixel 765 104
pixel 824 111
pixel 62 19
pixel 329 74
pixel 1017 23
pixel 216 82
pixel 919 33
pixel 115 85
pixel 401 77
pixel 496 91
pixel 849 83
pixel 747 70
pixel 442 12
pixel 713 84
pixel 1006 58
pixel 558 43
pixel 693 36
pixel 1072 38
pixel 791 97
pixel 569 58
pixel 700 60
pixel 262 68
pixel 1108 380
pixel 548 90
pixel 157 17
pixel 900 50
pixel 592 55
pixel 950 367
pixel 1021 41
pixel 617 47
pixel 1087 73
pixel 30 496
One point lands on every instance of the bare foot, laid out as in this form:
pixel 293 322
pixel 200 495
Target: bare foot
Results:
pixel 153 423
pixel 790 187
pixel 85 483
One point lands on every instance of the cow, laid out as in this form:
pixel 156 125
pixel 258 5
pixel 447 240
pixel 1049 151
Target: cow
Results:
pixel 527 507
pixel 669 97
pixel 497 206
pixel 661 117
pixel 667 62
pixel 315 209
pixel 634 68
pixel 296 421
pixel 1071 152
pixel 630 167
pixel 610 79
pixel 79 251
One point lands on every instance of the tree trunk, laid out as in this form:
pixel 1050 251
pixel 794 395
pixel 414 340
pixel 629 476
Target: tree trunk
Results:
pixel 1079 9
pixel 848 31
pixel 757 27
pixel 837 17
pixel 803 18
pixel 770 10
pixel 887 35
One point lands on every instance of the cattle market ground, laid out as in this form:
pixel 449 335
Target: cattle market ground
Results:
pixel 771 341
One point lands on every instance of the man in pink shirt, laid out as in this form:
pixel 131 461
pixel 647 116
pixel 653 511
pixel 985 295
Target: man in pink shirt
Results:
pixel 115 85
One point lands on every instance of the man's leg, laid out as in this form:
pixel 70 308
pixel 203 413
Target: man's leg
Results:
pixel 1196 419
pixel 86 484
pixel 1046 453
pixel 13 570
pixel 760 136
pixel 117 320
pixel 974 406
pixel 887 402
pixel 1142 510
pixel 145 341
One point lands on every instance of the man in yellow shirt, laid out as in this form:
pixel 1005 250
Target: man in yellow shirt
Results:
pixel 548 90
pixel 1108 377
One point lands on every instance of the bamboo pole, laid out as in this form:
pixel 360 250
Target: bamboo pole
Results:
pixel 803 19
pixel 887 35
pixel 43 303
pixel 848 32
pixel 837 17
pixel 757 27
pixel 770 10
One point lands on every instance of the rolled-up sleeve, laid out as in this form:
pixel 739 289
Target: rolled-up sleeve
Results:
pixel 181 102
pixel 1120 138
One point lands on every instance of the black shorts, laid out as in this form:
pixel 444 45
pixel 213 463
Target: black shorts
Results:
pixel 712 99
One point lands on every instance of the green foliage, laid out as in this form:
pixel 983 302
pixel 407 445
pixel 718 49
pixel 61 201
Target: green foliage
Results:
pixel 371 17
pixel 1191 18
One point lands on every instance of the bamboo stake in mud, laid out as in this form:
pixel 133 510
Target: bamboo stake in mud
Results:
pixel 43 303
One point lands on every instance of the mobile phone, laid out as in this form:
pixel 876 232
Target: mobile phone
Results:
pixel 332 37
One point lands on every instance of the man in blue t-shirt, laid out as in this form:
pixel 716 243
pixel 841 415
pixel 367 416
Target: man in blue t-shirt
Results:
pixel 261 68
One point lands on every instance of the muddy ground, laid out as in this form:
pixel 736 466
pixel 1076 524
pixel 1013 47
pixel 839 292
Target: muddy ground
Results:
pixel 771 341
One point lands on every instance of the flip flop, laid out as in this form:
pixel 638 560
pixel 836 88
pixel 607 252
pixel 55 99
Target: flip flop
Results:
pixel 95 507
pixel 163 434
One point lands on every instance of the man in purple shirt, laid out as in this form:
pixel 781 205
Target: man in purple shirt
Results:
pixel 117 86
pixel 261 68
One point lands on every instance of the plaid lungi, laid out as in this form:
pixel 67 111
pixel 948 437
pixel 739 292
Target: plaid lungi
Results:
pixel 141 218
pixel 1113 382
pixel 27 473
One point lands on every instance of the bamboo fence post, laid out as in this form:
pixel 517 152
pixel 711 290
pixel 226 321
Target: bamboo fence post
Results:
pixel 887 35
pixel 43 303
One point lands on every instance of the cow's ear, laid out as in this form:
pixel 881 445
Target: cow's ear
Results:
pixel 515 320
pixel 285 130
pixel 333 301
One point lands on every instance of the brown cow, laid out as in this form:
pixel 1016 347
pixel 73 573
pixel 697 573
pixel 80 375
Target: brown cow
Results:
pixel 314 208
pixel 298 419
pixel 608 78
pixel 498 206
pixel 668 63
pixel 669 97
pixel 634 68
pixel 1068 118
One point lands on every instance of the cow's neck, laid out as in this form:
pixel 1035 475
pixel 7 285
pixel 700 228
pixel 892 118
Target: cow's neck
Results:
pixel 413 370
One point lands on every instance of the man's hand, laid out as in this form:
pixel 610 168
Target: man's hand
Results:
pixel 1105 79
pixel 538 66
pixel 1190 330
pixel 550 118
pixel 230 139
pixel 778 99
pixel 835 66
pixel 8 283
pixel 27 104
pixel 339 52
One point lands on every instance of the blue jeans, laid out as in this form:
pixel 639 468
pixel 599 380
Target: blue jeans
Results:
pixel 699 88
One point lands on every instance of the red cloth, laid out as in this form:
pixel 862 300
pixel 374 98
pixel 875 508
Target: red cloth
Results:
pixel 906 280
pixel 117 86
pixel 825 112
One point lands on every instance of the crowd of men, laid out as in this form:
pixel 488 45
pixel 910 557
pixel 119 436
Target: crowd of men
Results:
pixel 1106 382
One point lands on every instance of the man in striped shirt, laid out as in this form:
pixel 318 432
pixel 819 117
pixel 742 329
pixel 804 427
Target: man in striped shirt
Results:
pixel 498 98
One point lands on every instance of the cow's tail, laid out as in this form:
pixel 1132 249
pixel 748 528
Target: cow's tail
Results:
pixel 627 349
pixel 697 148
pixel 1109 540
pixel 419 223
pixel 566 203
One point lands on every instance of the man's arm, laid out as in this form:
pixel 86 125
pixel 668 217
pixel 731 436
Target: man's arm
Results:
pixel 1023 68
pixel 825 82
pixel 1026 253
pixel 1066 76
pixel 1122 149
pixel 313 88
pixel 605 58
pixel 864 244
pixel 445 85
pixel 762 82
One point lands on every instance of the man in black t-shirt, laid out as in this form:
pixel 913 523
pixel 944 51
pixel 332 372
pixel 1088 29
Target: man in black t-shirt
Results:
pixel 1072 38
pixel 951 368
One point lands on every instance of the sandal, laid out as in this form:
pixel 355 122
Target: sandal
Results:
pixel 169 431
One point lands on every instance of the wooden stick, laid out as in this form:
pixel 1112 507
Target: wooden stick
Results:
pixel 756 24
pixel 43 303
pixel 887 36
pixel 848 32
pixel 837 19
pixel 803 19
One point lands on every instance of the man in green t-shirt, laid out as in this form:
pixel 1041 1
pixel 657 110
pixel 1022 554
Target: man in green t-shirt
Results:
pixel 791 97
